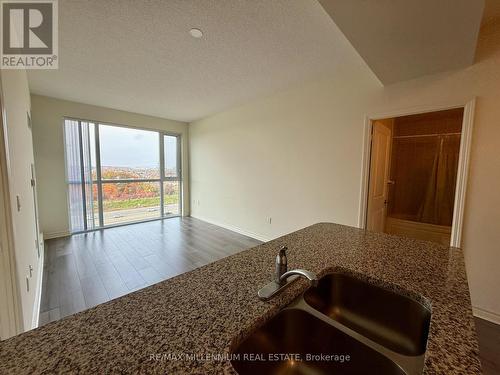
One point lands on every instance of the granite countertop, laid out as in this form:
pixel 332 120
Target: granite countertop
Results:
pixel 208 310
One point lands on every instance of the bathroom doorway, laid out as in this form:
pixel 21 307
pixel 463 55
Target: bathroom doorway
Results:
pixel 413 172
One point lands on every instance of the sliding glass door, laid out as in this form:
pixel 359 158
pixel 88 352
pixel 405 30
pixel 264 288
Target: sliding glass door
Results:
pixel 120 175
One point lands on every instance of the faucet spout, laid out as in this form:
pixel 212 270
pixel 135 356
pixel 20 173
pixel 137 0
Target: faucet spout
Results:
pixel 311 276
pixel 281 277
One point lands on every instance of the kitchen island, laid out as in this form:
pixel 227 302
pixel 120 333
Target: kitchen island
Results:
pixel 190 323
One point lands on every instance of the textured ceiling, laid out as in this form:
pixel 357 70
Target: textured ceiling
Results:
pixel 406 39
pixel 139 56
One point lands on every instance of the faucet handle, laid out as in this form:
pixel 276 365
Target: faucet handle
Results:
pixel 283 250
pixel 281 264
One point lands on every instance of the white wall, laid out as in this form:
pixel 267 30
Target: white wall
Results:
pixel 47 118
pixel 296 157
pixel 20 157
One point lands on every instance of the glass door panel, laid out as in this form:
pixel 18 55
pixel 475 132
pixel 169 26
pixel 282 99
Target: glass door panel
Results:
pixel 171 198
pixel 130 171
pixel 129 154
pixel 125 202
pixel 171 156
pixel 172 179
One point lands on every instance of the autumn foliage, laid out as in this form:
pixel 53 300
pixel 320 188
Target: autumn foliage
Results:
pixel 131 190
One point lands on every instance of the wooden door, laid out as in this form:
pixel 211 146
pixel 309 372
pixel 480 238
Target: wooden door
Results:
pixel 379 175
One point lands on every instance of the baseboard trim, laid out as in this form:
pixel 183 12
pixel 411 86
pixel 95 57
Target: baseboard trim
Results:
pixel 486 315
pixel 233 228
pixel 51 235
pixel 38 292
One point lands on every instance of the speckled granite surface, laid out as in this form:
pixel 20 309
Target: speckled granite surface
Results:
pixel 206 311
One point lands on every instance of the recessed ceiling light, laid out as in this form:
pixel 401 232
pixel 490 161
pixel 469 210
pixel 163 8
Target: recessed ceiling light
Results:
pixel 196 33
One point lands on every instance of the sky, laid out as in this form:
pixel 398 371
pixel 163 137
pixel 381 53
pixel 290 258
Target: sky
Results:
pixel 127 147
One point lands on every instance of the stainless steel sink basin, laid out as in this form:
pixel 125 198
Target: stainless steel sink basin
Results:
pixel 297 333
pixel 395 321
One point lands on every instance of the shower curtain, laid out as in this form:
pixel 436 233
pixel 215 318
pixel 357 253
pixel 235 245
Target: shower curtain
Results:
pixel 438 202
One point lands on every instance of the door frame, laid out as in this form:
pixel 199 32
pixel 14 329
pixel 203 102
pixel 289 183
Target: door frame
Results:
pixel 11 322
pixel 463 161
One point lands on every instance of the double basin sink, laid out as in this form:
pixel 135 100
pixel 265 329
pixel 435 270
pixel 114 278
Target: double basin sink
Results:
pixel 341 326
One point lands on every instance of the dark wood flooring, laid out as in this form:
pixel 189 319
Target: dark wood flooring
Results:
pixel 85 270
pixel 489 346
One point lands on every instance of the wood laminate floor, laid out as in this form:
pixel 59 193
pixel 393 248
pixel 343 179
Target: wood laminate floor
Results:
pixel 85 270
pixel 489 346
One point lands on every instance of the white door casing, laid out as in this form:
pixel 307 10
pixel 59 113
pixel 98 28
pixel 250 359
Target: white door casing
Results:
pixel 379 176
pixel 463 165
